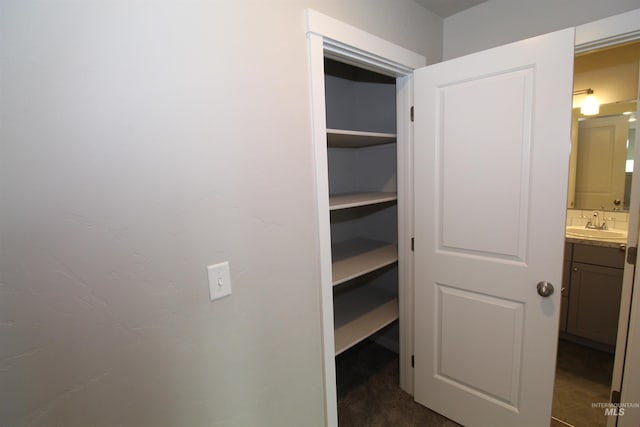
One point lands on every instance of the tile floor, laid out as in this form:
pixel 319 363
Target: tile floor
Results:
pixel 583 377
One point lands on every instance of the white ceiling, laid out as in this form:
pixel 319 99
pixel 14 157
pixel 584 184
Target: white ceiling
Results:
pixel 444 8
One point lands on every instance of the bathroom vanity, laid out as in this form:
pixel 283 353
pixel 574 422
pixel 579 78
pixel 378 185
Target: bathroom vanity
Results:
pixel 591 290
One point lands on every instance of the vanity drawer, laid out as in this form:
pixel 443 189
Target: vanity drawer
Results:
pixel 599 255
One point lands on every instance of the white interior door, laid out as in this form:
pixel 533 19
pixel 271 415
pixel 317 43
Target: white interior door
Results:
pixel 492 144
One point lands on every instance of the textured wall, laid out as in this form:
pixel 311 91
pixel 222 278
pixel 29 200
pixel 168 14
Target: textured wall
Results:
pixel 141 141
pixel 498 22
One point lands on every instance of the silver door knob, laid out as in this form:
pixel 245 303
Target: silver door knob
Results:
pixel 545 289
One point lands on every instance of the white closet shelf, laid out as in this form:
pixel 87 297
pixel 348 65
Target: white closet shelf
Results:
pixel 361 313
pixel 357 257
pixel 352 200
pixel 340 138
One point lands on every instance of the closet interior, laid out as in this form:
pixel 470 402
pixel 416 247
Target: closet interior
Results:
pixel 362 165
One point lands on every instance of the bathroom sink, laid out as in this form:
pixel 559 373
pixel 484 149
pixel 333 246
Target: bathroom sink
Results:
pixel 596 234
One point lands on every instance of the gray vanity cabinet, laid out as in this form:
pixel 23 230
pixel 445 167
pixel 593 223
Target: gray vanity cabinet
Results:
pixel 594 293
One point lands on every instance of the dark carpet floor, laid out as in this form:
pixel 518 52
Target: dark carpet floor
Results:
pixel 369 395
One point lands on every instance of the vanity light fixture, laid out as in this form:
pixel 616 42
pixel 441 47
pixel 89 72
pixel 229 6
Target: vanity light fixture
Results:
pixel 590 105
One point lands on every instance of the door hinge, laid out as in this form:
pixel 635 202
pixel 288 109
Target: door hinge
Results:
pixel 412 244
pixel 615 396
pixel 632 254
pixel 412 113
pixel 413 360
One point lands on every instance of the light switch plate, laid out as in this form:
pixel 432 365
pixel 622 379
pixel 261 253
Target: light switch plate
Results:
pixel 219 280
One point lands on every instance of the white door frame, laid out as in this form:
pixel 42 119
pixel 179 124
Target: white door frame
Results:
pixel 328 37
pixel 595 35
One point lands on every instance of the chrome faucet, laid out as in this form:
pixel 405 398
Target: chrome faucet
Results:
pixel 596 224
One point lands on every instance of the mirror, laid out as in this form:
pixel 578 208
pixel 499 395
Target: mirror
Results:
pixel 602 158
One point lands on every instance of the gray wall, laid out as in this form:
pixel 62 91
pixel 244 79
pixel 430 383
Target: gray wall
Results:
pixel 140 142
pixel 498 22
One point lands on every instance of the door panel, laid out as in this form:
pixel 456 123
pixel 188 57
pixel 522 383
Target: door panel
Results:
pixel 468 176
pixel 492 134
pixel 487 319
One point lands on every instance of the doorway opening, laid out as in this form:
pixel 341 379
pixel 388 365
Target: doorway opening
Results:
pixel 364 198
pixel 598 200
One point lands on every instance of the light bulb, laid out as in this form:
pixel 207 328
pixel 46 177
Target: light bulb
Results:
pixel 590 106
